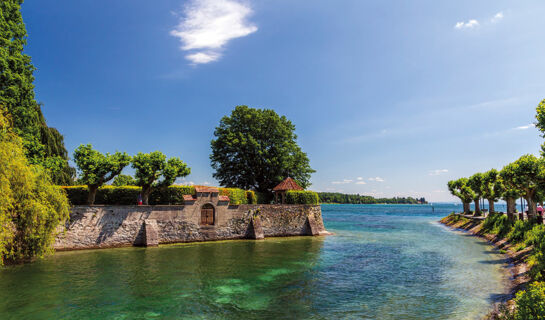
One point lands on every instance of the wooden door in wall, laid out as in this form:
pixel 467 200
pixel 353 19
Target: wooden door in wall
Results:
pixel 207 214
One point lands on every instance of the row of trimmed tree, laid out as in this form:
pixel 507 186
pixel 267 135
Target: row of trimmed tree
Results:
pixel 524 177
pixel 151 169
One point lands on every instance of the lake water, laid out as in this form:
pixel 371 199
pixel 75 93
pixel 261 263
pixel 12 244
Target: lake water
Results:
pixel 385 262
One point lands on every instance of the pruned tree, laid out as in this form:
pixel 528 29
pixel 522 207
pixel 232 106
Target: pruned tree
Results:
pixel 492 187
pixel 256 149
pixel 475 182
pixel 525 174
pixel 96 168
pixel 154 165
pixel 460 189
pixel 540 124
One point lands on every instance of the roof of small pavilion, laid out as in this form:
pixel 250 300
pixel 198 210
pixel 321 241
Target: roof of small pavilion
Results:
pixel 287 184
pixel 206 189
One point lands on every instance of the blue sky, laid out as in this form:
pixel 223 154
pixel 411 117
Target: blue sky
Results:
pixel 388 97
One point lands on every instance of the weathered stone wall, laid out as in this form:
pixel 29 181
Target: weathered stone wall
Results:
pixel 114 226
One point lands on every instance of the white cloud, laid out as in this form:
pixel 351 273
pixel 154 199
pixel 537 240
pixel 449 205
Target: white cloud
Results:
pixel 208 25
pixel 437 172
pixel 345 181
pixel 377 179
pixel 497 17
pixel 528 126
pixel 467 25
pixel 359 178
pixel 361 182
pixel 203 57
pixel 205 183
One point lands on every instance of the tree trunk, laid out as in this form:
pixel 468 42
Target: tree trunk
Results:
pixel 477 208
pixel 490 206
pixel 146 190
pixel 511 208
pixel 92 194
pixel 466 208
pixel 532 207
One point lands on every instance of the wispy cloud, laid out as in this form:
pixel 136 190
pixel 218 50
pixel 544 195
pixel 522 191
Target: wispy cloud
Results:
pixel 470 24
pixel 361 182
pixel 208 25
pixel 528 126
pixel 376 179
pixel 437 172
pixel 344 181
pixel 497 18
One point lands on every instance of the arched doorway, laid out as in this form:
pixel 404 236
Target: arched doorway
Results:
pixel 207 214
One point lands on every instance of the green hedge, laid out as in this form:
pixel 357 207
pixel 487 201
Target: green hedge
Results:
pixel 302 197
pixel 236 196
pixel 263 197
pixel 128 195
pixel 170 195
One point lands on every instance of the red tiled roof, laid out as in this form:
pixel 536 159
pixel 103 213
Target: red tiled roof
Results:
pixel 206 189
pixel 287 184
pixel 188 197
pixel 223 198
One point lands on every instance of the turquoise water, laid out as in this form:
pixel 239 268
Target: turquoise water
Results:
pixel 385 262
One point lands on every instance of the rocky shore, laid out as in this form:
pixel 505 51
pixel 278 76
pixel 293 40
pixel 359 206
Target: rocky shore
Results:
pixel 516 260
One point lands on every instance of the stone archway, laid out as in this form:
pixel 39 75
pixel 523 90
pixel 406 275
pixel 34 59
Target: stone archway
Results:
pixel 207 214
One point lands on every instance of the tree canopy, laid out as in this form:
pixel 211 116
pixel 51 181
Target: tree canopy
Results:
pixel 43 145
pixel 256 149
pixel 97 168
pixel 124 180
pixel 31 207
pixel 151 166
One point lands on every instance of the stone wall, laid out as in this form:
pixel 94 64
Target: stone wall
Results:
pixel 115 226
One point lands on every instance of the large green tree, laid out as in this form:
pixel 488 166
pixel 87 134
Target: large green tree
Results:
pixel 43 145
pixel 460 189
pixel 154 165
pixel 256 149
pixel 492 187
pixel 526 174
pixel 97 168
pixel 31 207
pixel 511 192
pixel 475 182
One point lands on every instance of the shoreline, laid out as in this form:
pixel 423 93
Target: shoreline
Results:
pixel 515 260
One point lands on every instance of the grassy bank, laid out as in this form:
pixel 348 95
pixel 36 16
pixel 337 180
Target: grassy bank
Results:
pixel 524 243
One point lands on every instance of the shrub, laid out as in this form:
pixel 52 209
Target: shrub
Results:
pixel 302 197
pixel 518 233
pixel 497 223
pixel 170 195
pixel 128 195
pixel 530 304
pixel 251 197
pixel 236 196
pixel 264 197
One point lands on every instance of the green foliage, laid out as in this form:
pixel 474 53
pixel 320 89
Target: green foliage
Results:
pixel 256 149
pixel 31 207
pixel 519 230
pixel 460 188
pixel 264 197
pixel 96 168
pixel 530 303
pixel 17 95
pixel 236 196
pixel 124 180
pixel 525 174
pixel 128 195
pixel 151 166
pixel 498 224
pixel 475 182
pixel 251 197
pixel 492 185
pixel 302 197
